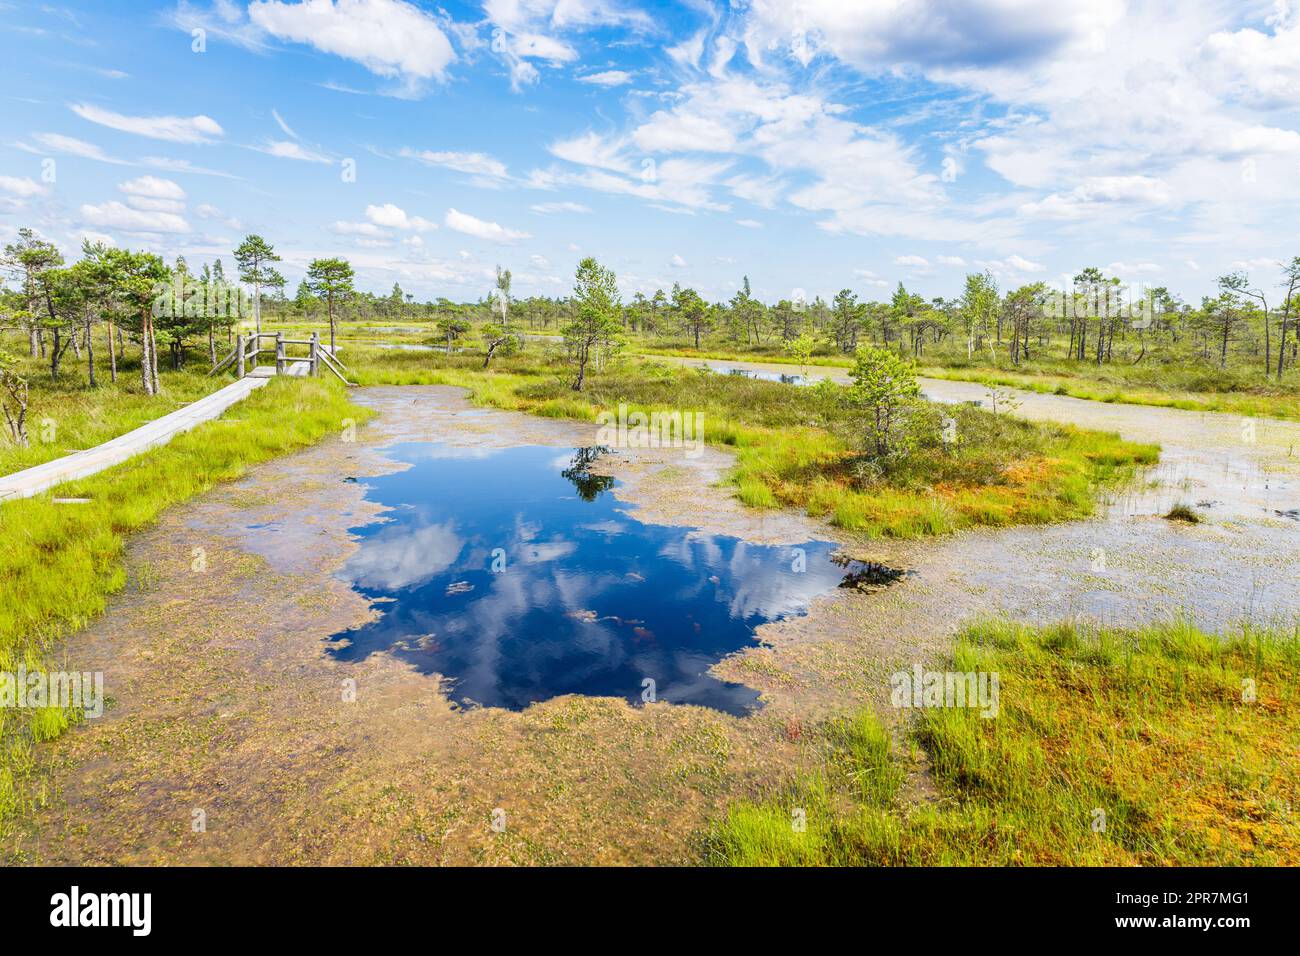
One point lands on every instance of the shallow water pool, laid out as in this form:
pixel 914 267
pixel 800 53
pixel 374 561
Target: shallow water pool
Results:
pixel 518 576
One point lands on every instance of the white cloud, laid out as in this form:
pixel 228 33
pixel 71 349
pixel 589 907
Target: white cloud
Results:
pixel 864 179
pixel 1012 266
pixel 286 149
pixel 58 143
pixel 879 37
pixel 288 131
pixel 690 51
pixel 395 217
pixel 1254 140
pixel 151 187
pixel 21 186
pixel 592 149
pixel 1260 69
pixel 1100 192
pixel 612 167
pixel 183 166
pixel 917 262
pixel 390 38
pixel 152 206
pixel 116 215
pixel 539 47
pixel 955 261
pixel 526 30
pixel 211 212
pixel 481 229
pixel 677 262
pixel 545 208
pixel 749 223
pixel 1021 264
pixel 1260 262
pixel 607 78
pixel 176 129
pixel 225 20
pixel 476 164
pixel 671 132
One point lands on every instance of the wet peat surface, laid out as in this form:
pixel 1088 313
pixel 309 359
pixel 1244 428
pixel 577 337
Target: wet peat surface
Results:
pixel 517 575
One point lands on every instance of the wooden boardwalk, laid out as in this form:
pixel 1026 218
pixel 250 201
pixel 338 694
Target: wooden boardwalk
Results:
pixel 32 481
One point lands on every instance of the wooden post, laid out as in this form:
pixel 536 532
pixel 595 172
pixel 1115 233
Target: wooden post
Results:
pixel 315 356
pixel 252 353
pixel 239 350
pixel 279 353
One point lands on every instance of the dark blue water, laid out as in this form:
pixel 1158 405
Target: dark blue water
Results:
pixel 514 573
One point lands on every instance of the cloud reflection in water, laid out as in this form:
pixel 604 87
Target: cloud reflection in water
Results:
pixel 591 601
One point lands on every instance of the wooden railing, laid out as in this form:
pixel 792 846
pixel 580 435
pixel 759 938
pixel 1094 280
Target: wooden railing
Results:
pixel 244 356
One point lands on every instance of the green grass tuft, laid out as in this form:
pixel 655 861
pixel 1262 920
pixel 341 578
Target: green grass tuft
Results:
pixel 1095 729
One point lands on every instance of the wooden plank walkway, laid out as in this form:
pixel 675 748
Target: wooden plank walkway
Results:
pixel 32 481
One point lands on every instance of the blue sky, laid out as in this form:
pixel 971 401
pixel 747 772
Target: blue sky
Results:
pixel 810 144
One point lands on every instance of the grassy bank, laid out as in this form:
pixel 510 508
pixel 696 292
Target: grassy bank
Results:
pixel 1095 729
pixel 769 353
pixel 1194 388
pixel 61 562
pixel 791 450
pixel 1251 401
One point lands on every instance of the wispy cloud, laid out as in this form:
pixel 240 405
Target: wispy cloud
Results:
pixel 288 149
pixel 607 78
pixel 71 146
pixel 176 129
pixel 546 208
pixel 482 229
pixel 476 164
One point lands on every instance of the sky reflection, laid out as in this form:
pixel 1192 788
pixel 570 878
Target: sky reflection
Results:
pixel 585 598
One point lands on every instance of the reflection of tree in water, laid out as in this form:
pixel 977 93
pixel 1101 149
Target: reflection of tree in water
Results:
pixel 579 472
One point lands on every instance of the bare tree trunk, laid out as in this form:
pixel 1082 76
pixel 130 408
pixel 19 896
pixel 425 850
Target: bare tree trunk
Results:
pixel 148 355
pixel 112 353
pixel 146 378
pixel 1286 315
pixel 153 357
pixel 56 353
pixel 90 354
pixel 1268 348
pixel 17 420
